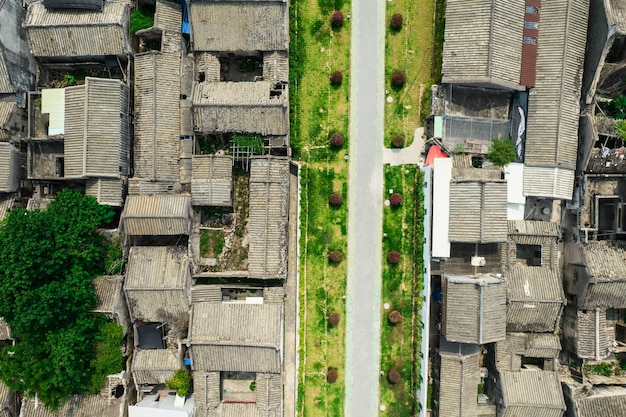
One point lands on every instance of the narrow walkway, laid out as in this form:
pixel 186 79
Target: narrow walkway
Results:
pixel 410 155
pixel 365 208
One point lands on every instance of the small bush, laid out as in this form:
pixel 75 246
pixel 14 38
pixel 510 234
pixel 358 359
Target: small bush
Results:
pixel 393 376
pixel 396 22
pixel 141 19
pixel 502 152
pixel 331 375
pixel 334 318
pixel 393 257
pixel 335 256
pixel 397 141
pixel 394 317
pixel 337 19
pixel 336 78
pixel 397 79
pixel 395 199
pixel 336 140
pixel 181 382
pixel 335 199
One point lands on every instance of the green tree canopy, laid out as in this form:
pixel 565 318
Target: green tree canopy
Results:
pixel 48 260
pixel 502 152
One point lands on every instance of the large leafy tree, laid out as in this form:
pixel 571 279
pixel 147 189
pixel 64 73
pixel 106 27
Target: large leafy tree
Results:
pixel 47 262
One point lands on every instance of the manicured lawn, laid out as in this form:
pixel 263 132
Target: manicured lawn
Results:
pixel 400 291
pixel 409 50
pixel 317 110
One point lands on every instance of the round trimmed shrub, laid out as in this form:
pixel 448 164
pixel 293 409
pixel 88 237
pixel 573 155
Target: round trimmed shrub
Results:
pixel 393 257
pixel 335 199
pixel 395 199
pixel 336 140
pixel 397 79
pixel 335 256
pixel 337 19
pixel 334 318
pixel 331 375
pixel 396 22
pixel 397 141
pixel 393 376
pixel 336 78
pixel 394 317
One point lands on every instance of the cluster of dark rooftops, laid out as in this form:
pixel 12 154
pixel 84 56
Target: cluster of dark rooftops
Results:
pixel 183 128
pixel 528 262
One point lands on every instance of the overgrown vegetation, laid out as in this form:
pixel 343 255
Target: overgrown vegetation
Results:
pixel 400 325
pixel 615 108
pixel 141 18
pixel 211 243
pixel 408 49
pixel 181 382
pixel 48 260
pixel 114 259
pixel 249 140
pixel 502 152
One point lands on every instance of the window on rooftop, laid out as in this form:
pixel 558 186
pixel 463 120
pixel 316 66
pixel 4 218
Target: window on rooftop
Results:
pixel 530 40
pixel 532 10
pixel 531 25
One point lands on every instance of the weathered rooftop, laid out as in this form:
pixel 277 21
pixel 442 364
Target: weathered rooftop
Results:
pixel 254 107
pixel 474 308
pixel 492 55
pixel 553 105
pixel 459 376
pixel 157 215
pixel 268 218
pixel 154 366
pixel 530 393
pixel 535 299
pixel 478 212
pixel 533 228
pixel 236 337
pixel 62 33
pixel 157 282
pixel 157 116
pixel 108 292
pixel 212 181
pixel 602 401
pixel 76 406
pixel 231 26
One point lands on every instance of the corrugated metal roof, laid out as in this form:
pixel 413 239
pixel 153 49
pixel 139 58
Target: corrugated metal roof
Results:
pixel 474 309
pixel 168 16
pixel 157 282
pixel 509 352
pixel 97 129
pixel 157 215
pixel 533 393
pixel 106 190
pixel 76 406
pixel 535 299
pixel 554 103
pixel 6 203
pixel 206 390
pixel 478 212
pixel 230 26
pixel 6 87
pixel 236 337
pixel 9 167
pixel 493 52
pixel 157 116
pixel 275 66
pixel 70 33
pixel 268 217
pixel 212 182
pixel 548 182
pixel 154 366
pixel 108 292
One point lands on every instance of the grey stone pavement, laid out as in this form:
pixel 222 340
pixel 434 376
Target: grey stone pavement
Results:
pixel 410 155
pixel 365 208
